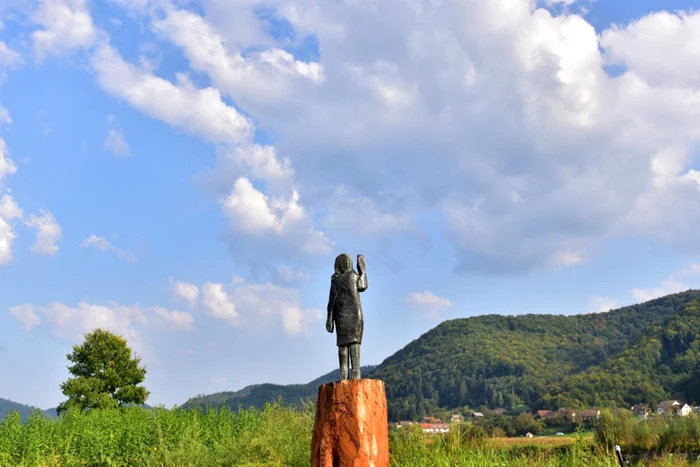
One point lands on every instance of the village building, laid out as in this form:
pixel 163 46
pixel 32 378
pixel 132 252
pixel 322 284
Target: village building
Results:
pixel 641 410
pixel 435 428
pixel 590 415
pixel 668 408
pixel 685 410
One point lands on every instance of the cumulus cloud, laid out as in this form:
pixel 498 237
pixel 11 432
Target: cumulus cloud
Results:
pixel 67 25
pixel 115 142
pixel 102 244
pixel 185 291
pixel 48 233
pixel 602 304
pixel 7 167
pixel 200 112
pixel 8 57
pixel 496 120
pixel 71 323
pixel 676 282
pixel 427 301
pixel 289 276
pixel 253 305
pixel 218 303
pixel 263 77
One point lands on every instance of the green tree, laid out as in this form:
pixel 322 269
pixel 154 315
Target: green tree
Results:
pixel 105 374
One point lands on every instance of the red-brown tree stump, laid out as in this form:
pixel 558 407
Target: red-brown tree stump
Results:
pixel 351 427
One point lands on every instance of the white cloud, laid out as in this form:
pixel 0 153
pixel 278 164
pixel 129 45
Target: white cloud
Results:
pixel 264 77
pixel 287 275
pixel 253 213
pixel 427 301
pixel 185 291
pixel 102 244
pixel 676 282
pixel 26 316
pixel 200 112
pixel 218 303
pixel 499 118
pixel 67 26
pixel 643 47
pixel 48 233
pixel 602 304
pixel 254 305
pixel 71 323
pixel 7 167
pixel 8 57
pixel 116 143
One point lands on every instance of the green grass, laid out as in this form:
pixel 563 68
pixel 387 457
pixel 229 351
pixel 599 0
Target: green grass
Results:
pixel 275 436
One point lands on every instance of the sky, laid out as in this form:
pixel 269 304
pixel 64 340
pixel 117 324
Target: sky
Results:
pixel 183 173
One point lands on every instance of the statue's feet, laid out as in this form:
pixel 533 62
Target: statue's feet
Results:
pixel 343 375
pixel 356 374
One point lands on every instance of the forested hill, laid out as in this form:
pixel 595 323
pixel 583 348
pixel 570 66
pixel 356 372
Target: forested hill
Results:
pixel 259 394
pixel 637 354
pixel 24 410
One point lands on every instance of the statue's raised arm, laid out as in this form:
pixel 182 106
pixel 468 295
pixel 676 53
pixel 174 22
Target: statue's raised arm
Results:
pixel 362 279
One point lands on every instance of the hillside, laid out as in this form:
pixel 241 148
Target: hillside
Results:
pixel 7 405
pixel 259 394
pixel 640 353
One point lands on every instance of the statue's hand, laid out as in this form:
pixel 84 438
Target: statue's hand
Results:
pixel 329 325
pixel 360 264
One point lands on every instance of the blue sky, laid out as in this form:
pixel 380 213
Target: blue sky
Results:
pixel 185 172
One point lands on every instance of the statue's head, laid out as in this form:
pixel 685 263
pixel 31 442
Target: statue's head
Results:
pixel 343 263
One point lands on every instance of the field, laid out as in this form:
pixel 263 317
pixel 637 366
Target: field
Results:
pixel 275 436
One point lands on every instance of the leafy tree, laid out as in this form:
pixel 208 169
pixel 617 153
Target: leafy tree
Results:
pixel 105 374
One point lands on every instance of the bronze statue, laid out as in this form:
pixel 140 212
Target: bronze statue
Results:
pixel 345 312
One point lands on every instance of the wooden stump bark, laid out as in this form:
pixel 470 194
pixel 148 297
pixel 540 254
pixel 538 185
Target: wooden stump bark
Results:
pixel 351 427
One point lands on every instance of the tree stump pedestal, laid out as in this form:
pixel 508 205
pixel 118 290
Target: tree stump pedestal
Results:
pixel 351 427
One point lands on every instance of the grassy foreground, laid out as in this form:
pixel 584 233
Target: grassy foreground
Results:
pixel 275 436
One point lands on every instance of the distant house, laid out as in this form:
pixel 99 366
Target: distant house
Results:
pixel 641 410
pixel 590 415
pixel 433 428
pixel 545 414
pixel 668 407
pixel 499 412
pixel 431 420
pixel 685 410
pixel 566 414
pixel 456 418
pixel 528 434
pixel 696 409
pixel 477 415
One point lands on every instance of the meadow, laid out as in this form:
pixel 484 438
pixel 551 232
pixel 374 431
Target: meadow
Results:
pixel 278 435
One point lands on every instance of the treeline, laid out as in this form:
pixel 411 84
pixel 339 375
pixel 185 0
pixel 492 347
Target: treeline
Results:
pixel 638 354
pixel 654 435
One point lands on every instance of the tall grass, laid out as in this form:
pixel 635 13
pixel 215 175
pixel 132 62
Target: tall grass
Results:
pixel 679 435
pixel 278 435
pixel 275 436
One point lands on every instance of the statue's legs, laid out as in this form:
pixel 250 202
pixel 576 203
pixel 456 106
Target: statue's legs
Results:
pixel 355 357
pixel 343 358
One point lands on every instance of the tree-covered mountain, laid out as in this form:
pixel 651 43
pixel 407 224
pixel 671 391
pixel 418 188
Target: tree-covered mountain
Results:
pixel 7 405
pixel 258 395
pixel 636 354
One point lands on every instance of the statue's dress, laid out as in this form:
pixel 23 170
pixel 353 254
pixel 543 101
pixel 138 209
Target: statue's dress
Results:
pixel 344 304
